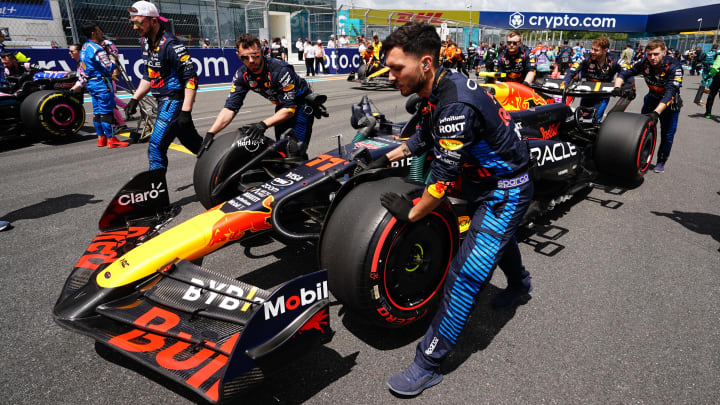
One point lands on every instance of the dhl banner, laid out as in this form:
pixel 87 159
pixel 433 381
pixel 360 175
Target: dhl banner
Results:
pixel 400 17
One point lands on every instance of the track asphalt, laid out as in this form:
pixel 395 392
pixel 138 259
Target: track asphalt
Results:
pixel 625 307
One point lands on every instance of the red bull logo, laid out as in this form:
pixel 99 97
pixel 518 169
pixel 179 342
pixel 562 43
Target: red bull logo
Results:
pixel 234 225
pixel 517 97
pixel 152 74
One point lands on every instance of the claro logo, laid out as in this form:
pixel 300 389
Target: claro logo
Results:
pixel 134 198
pixel 305 298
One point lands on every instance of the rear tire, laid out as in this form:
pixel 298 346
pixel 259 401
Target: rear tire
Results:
pixel 51 114
pixel 388 272
pixel 217 163
pixel 625 145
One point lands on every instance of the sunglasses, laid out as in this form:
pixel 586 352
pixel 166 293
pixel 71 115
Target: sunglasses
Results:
pixel 138 23
pixel 513 42
pixel 247 57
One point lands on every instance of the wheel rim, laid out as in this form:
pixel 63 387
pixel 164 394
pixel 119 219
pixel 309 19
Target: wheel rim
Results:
pixel 645 149
pixel 417 262
pixel 62 115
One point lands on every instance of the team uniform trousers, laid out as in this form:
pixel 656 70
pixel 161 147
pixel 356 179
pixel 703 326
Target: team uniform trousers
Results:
pixel 490 242
pixel 668 126
pixel 103 101
pixel 166 129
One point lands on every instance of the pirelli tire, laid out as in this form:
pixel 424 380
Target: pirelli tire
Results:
pixel 625 144
pixel 222 159
pixel 385 271
pixel 51 114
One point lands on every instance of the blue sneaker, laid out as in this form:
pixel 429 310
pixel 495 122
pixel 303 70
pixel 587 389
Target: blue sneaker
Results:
pixel 659 167
pixel 413 380
pixel 4 225
pixel 511 297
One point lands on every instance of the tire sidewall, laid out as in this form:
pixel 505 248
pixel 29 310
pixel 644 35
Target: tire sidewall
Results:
pixel 45 112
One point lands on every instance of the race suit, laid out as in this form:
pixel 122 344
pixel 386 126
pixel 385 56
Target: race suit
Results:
pixel 98 68
pixel 664 84
pixel 280 85
pixel 473 137
pixel 594 72
pixel 515 66
pixel 170 71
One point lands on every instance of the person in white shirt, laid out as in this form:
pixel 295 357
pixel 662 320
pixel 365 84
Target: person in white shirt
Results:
pixel 309 52
pixel 361 46
pixel 299 47
pixel 343 41
pixel 331 42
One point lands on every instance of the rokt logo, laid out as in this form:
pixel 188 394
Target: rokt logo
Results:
pixel 517 20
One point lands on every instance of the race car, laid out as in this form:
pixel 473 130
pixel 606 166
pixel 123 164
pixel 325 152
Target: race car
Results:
pixel 373 75
pixel 39 106
pixel 137 291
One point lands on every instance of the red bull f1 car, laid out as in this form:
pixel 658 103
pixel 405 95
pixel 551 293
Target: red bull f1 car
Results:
pixel 137 290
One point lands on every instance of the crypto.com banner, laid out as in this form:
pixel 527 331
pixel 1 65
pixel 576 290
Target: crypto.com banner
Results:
pixel 564 21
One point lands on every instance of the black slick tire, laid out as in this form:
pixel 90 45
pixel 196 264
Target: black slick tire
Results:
pixel 387 272
pixel 51 114
pixel 625 144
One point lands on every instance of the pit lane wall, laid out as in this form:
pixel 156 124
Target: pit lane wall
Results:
pixel 213 65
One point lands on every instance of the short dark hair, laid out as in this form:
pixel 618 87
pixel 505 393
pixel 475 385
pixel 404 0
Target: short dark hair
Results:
pixel 88 28
pixel 78 46
pixel 8 55
pixel 247 41
pixel 416 38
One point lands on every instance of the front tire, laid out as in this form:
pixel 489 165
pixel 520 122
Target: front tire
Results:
pixel 625 145
pixel 388 272
pixel 221 160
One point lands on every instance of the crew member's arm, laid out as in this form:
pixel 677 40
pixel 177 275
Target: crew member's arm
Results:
pixel 672 87
pixel 280 116
pixel 531 68
pixel 223 119
pixel 627 73
pixel 233 103
pixel 142 89
pixel 572 72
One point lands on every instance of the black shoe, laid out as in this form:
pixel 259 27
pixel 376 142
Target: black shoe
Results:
pixel 511 297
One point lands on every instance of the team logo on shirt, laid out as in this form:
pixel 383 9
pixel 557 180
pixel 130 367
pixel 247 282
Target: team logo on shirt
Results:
pixel 450 144
pixel 184 58
pixel 289 87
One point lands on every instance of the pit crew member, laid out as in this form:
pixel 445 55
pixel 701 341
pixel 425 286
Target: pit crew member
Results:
pixel 274 80
pixel 600 67
pixel 516 61
pixel 170 75
pixel 663 75
pixel 468 130
pixel 98 68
